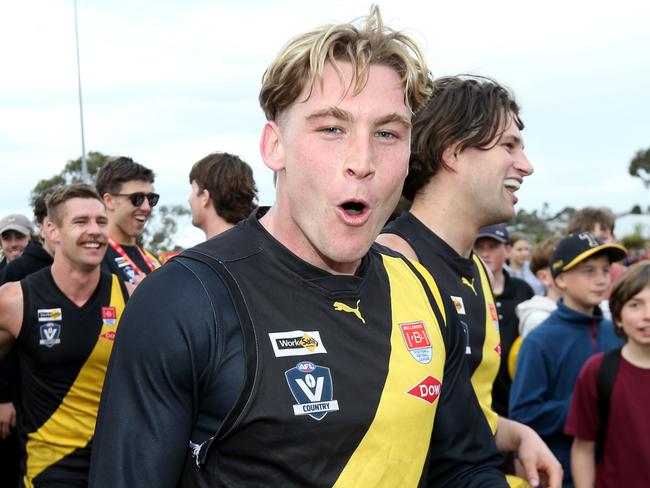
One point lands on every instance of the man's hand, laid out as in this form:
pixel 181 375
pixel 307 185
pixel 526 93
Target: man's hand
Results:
pixel 137 278
pixel 540 466
pixel 7 419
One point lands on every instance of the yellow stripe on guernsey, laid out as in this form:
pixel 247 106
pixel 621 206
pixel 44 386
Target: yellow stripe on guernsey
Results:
pixel 486 372
pixel 72 425
pixel 405 419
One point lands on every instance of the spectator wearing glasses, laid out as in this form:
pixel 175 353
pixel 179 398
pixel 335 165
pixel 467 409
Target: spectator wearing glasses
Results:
pixel 127 190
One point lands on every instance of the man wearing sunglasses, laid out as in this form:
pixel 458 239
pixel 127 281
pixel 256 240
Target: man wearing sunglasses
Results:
pixel 127 190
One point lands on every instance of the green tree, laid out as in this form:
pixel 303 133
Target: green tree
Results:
pixel 71 173
pixel 636 210
pixel 640 166
pixel 161 230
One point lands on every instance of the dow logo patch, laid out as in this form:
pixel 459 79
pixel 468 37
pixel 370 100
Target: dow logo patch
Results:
pixel 417 341
pixel 50 334
pixel 428 389
pixel 311 386
pixel 296 343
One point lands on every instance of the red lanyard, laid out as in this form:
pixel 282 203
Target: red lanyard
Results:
pixel 118 249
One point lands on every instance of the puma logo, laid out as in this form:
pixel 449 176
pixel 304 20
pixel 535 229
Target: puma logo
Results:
pixel 342 307
pixel 465 281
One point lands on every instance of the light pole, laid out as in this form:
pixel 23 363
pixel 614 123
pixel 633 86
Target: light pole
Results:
pixel 84 161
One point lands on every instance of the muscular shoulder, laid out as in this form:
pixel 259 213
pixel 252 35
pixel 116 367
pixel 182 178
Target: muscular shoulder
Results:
pixel 11 307
pixel 397 243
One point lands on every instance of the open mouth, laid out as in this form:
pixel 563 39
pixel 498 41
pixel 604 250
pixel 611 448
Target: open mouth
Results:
pixel 353 208
pixel 91 245
pixel 512 184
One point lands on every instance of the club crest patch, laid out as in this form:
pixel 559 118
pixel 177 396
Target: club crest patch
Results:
pixel 417 341
pixel 311 386
pixel 296 343
pixel 50 334
pixel 49 314
pixel 109 316
pixel 428 389
pixel 459 304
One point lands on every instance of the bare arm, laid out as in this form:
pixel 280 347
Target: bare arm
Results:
pixel 11 315
pixel 531 451
pixel 583 463
pixel 396 243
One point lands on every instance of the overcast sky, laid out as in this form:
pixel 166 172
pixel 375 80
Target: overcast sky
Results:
pixel 167 82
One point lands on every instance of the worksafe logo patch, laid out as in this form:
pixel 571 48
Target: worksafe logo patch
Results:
pixel 49 314
pixel 428 389
pixel 311 386
pixel 109 316
pixel 50 334
pixel 459 304
pixel 296 343
pixel 417 341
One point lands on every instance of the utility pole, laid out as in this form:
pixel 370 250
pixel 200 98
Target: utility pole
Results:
pixel 84 162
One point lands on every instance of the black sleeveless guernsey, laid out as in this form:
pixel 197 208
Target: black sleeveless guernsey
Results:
pixel 63 353
pixel 343 373
pixel 467 283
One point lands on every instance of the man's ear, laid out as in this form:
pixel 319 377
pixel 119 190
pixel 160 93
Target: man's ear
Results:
pixel 450 157
pixel 108 201
pixel 51 230
pixel 271 146
pixel 206 200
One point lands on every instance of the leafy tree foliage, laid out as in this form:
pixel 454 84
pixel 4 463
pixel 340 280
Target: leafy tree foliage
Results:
pixel 640 166
pixel 71 173
pixel 162 227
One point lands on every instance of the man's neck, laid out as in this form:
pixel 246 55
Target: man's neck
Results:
pixel 118 235
pixel 215 226
pixel 443 216
pixel 75 283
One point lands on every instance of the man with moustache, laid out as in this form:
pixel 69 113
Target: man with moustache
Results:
pixel 290 351
pixel 37 255
pixel 127 190
pixel 62 322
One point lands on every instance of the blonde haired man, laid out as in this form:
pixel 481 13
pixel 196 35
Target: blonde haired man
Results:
pixel 294 354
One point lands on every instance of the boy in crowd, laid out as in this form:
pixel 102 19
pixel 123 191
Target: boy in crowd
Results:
pixel 223 192
pixel 127 190
pixel 491 246
pixel 533 312
pixel 611 445
pixel 518 265
pixel 551 355
pixel 600 222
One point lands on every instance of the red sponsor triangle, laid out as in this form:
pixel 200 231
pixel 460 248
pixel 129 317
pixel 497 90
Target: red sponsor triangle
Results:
pixel 498 349
pixel 428 389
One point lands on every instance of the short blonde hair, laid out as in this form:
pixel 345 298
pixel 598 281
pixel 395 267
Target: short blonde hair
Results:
pixel 302 60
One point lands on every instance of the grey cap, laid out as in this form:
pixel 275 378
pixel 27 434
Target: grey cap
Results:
pixel 17 222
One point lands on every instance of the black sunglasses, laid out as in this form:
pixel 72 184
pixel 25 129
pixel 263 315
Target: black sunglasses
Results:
pixel 138 197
